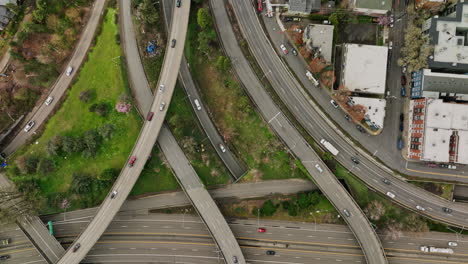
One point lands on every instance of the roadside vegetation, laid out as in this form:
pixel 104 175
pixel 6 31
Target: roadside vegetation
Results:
pixel 240 125
pixel 443 190
pixel 38 53
pixel 85 144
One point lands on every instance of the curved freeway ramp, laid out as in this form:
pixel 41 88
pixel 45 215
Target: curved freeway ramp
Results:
pixel 186 175
pixel 325 180
pixel 142 147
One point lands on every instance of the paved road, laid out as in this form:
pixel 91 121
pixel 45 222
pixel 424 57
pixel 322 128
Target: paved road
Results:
pixel 315 122
pixel 325 180
pixel 142 147
pixel 20 249
pixel 184 172
pixel 230 161
pixel 40 113
pixel 187 235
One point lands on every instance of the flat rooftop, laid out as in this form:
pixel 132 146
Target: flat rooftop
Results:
pixel 375 109
pixel 365 68
pixel 321 36
pixel 436 144
pixel 373 4
pixel 446 115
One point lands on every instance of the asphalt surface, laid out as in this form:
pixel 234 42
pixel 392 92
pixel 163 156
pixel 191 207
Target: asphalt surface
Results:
pixel 325 180
pixel 20 249
pixel 184 172
pixel 184 236
pixel 142 147
pixel 315 122
pixel 40 113
pixel 229 159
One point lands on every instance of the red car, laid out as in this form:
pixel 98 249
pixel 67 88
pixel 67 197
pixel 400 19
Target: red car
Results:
pixel 150 116
pixel 403 80
pixel 131 161
pixel 261 230
pixel 260 5
pixel 431 165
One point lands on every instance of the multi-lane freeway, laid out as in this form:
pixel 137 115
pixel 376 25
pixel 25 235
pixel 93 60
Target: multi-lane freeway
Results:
pixel 315 122
pixel 324 178
pixel 183 237
pixel 142 147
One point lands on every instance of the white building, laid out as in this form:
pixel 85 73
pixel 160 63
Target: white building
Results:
pixel 364 68
pixel 375 110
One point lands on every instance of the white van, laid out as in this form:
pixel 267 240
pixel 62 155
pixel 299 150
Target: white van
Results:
pixel 197 104
pixel 69 70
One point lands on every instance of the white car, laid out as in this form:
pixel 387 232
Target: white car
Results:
pixel 29 126
pixel 161 88
pixel 420 208
pixel 452 244
pixel 333 102
pixel 161 106
pixel 318 168
pixel 69 70
pixel 49 100
pixel 390 45
pixel 391 195
pixel 197 104
pixel 222 148
pixel 113 194
pixel 283 48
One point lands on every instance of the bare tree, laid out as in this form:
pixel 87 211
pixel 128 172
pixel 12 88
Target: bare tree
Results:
pixel 393 230
pixel 375 210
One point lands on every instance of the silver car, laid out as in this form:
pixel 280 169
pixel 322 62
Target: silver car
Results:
pixel 161 106
pixel 29 126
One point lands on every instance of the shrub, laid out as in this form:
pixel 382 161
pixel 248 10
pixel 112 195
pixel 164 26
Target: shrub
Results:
pixel 106 131
pixel 204 18
pixel 55 145
pixel 109 174
pixel 81 183
pixel 85 96
pixel 268 208
pixel 31 164
pixel 45 166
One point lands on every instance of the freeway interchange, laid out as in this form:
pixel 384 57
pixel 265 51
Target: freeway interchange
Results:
pixel 313 120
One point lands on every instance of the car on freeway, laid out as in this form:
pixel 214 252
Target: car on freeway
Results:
pixel 29 125
pixel 197 104
pixel 403 91
pixel 49 100
pixel 355 160
pixel 420 208
pixel 113 194
pixel 76 247
pixel 161 88
pixel 400 143
pixel 447 210
pixel 131 162
pixel 294 52
pixel 270 252
pixel 161 106
pixel 386 181
pixel 69 70
pixel 5 241
pixel 452 244
pixel 431 165
pixel 261 230
pixel 222 148
pixel 178 3
pixel 348 118
pixel 173 42
pixel 333 102
pixel 4 257
pixel 391 195
pixel 283 48
pixel 318 168
pixel 403 80
pixel 150 115
pixel 347 213
pixel 360 129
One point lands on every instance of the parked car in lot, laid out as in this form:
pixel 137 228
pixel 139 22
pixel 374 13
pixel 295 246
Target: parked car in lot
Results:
pixel 261 230
pixel 452 167
pixel 29 125
pixel 360 129
pixel 452 244
pixel 131 162
pixel 294 52
pixel 403 80
pixel 333 102
pixel 283 49
pixel 49 100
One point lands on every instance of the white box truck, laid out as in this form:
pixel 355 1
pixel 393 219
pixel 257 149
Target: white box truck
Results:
pixel 311 78
pixel 329 147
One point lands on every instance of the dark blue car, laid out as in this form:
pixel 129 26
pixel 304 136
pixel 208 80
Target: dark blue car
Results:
pixel 403 91
pixel 400 143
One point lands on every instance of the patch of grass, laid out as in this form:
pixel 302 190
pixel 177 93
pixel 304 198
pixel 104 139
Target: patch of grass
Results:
pixel 103 75
pixel 190 136
pixel 240 125
pixel 443 190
